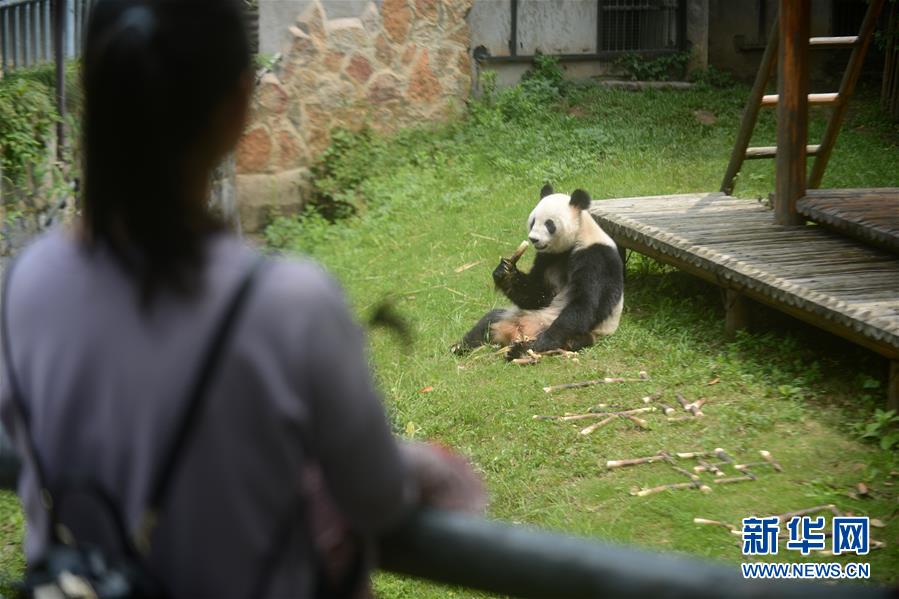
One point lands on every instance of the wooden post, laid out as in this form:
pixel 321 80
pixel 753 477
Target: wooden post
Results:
pixel 736 313
pixel 622 251
pixel 792 110
pixel 893 386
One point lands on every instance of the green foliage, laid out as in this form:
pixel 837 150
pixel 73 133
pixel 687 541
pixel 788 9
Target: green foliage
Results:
pixel 27 117
pixel 883 429
pixel 340 170
pixel 661 68
pixel 547 70
pixel 305 232
pixel 540 89
pixel 45 74
pixel 712 77
pixel 437 199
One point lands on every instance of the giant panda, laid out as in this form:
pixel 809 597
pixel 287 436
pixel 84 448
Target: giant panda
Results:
pixel 574 292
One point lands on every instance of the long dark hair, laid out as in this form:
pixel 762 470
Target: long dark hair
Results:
pixel 154 72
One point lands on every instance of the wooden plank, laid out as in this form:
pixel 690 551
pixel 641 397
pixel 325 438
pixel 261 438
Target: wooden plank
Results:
pixel 770 100
pixel 814 318
pixel 843 41
pixel 873 217
pixel 847 87
pixel 760 152
pixel 852 192
pixel 792 110
pixel 826 280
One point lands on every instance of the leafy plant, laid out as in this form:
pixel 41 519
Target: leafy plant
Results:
pixel 712 77
pixel 662 68
pixel 883 429
pixel 27 116
pixel 546 69
pixel 338 173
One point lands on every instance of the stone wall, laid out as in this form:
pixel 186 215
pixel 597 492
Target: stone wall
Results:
pixel 404 63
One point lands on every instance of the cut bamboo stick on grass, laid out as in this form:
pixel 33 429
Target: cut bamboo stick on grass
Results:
pixel 558 352
pixel 667 409
pixel 748 466
pixel 811 510
pixel 571 417
pixel 651 398
pixel 603 381
pixel 723 456
pixel 735 479
pixel 766 455
pixel 589 429
pixel 686 473
pixel 708 467
pixel 686 455
pixel 672 487
pixel 638 421
pixel 533 357
pixel 729 527
pixel 634 461
pixel 694 407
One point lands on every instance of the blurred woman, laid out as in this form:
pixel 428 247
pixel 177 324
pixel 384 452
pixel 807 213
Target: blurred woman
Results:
pixel 216 414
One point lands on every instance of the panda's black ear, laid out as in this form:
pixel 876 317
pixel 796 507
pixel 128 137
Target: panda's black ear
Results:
pixel 580 199
pixel 546 191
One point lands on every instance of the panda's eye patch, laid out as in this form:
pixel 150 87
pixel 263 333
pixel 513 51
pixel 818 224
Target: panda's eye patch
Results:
pixel 531 225
pixel 550 226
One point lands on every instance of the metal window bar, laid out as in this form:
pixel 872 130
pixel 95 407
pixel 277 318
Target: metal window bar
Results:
pixel 26 31
pixel 650 27
pixel 640 25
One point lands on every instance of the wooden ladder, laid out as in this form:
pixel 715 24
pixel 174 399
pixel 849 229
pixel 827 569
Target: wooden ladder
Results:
pixel 839 100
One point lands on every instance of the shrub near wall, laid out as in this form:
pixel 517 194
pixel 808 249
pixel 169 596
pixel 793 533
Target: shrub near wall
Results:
pixel 404 64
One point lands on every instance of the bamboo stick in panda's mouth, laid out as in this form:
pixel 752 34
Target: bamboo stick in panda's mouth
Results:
pixel 519 252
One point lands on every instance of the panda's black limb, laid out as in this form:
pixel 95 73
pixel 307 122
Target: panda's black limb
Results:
pixel 531 290
pixel 595 289
pixel 479 333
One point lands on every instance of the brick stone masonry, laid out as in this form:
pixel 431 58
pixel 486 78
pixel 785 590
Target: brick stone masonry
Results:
pixel 405 64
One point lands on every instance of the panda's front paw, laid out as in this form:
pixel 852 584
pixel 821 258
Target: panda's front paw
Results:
pixel 519 349
pixel 504 273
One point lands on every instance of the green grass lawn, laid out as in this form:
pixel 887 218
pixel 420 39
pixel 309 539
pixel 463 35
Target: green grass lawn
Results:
pixel 438 200
pixel 431 201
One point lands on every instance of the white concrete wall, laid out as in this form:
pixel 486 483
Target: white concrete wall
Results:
pixel 490 25
pixel 275 16
pixel 563 27
pixel 559 27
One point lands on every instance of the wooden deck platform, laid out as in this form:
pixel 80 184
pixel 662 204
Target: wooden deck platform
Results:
pixel 871 215
pixel 825 279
